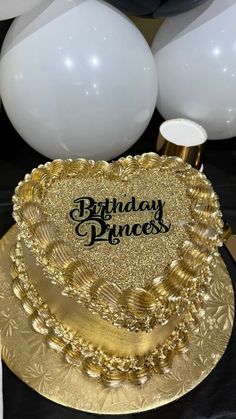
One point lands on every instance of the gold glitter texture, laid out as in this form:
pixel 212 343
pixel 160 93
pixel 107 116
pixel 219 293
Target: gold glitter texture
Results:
pixel 41 206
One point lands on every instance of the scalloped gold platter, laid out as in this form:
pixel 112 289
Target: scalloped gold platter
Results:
pixel 111 283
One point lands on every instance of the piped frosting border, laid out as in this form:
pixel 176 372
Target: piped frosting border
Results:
pixel 110 369
pixel 138 308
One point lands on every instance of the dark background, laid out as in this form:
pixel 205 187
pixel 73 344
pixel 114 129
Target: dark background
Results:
pixel 215 398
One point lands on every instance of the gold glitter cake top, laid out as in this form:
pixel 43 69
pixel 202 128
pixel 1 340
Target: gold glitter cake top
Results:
pixel 125 239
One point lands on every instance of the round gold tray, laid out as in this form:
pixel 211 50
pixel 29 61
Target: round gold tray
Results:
pixel 27 355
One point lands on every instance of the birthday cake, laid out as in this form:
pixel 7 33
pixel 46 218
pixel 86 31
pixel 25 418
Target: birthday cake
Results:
pixel 113 261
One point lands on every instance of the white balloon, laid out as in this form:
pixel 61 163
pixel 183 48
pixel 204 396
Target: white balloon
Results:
pixel 12 8
pixel 195 55
pixel 77 78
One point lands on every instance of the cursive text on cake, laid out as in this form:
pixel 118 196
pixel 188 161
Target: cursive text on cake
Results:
pixel 93 219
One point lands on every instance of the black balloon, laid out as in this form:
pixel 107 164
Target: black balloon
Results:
pixel 155 8
pixel 136 7
pixel 174 7
pixel 4 26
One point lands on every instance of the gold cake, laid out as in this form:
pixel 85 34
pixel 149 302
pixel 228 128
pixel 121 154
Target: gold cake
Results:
pixel 113 261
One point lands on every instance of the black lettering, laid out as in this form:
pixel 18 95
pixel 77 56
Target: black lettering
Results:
pixel 144 206
pixel 85 207
pixel 130 206
pixel 91 219
pixel 155 228
pixel 147 228
pixel 94 230
pixel 164 227
pixel 135 229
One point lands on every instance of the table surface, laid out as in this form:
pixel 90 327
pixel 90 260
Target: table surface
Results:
pixel 215 397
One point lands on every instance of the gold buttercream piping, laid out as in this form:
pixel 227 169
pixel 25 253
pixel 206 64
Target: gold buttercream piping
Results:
pixel 112 370
pixel 136 309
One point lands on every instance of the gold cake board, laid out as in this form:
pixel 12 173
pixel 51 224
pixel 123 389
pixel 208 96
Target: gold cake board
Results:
pixel 44 370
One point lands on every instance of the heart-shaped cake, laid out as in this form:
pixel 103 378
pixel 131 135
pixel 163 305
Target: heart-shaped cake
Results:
pixel 113 260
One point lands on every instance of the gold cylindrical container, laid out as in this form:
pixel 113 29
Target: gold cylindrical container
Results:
pixel 183 138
